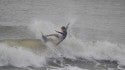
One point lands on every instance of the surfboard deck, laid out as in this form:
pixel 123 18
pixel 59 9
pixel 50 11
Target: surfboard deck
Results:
pixel 45 39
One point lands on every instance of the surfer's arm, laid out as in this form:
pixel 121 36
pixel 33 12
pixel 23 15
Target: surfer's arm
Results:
pixel 59 32
pixel 67 26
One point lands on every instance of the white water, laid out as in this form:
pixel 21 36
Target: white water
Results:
pixel 19 57
pixel 69 68
pixel 98 19
pixel 71 47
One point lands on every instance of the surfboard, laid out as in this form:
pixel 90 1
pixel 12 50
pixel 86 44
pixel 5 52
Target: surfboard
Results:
pixel 46 39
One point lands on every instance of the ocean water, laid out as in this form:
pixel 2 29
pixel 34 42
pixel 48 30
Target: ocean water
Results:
pixel 72 54
pixel 95 39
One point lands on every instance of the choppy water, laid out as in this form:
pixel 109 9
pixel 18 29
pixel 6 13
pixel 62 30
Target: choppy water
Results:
pixel 95 38
pixel 72 54
pixel 32 55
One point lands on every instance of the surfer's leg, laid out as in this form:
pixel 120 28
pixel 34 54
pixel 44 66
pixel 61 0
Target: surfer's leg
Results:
pixel 51 40
pixel 56 35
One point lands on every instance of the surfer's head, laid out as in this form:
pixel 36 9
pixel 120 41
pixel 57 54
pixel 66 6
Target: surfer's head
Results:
pixel 63 28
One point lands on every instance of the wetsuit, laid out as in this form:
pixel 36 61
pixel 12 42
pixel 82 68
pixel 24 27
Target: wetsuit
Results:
pixel 61 36
pixel 64 34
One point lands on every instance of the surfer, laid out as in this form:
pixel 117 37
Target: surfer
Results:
pixel 61 34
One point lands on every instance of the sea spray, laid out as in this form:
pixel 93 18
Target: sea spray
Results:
pixel 46 28
pixel 73 47
pixel 39 26
pixel 69 68
pixel 98 50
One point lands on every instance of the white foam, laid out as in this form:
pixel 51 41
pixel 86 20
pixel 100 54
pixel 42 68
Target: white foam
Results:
pixel 69 68
pixel 19 57
pixel 100 50
pixel 73 47
pixel 39 26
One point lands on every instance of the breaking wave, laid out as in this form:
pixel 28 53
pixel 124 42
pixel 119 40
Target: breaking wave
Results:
pixel 71 48
pixel 19 57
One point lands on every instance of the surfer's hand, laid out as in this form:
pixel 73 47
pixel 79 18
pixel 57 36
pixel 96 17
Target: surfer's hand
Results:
pixel 68 24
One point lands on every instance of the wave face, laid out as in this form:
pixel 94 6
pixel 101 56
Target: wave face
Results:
pixel 96 35
pixel 74 47
pixel 19 57
pixel 35 53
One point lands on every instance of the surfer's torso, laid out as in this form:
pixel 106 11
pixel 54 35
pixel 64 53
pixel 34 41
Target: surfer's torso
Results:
pixel 63 34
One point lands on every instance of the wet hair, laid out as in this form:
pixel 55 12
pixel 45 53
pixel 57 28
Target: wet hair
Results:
pixel 63 28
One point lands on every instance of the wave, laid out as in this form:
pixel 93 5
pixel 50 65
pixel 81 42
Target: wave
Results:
pixel 22 53
pixel 98 50
pixel 73 47
pixel 68 68
pixel 19 57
